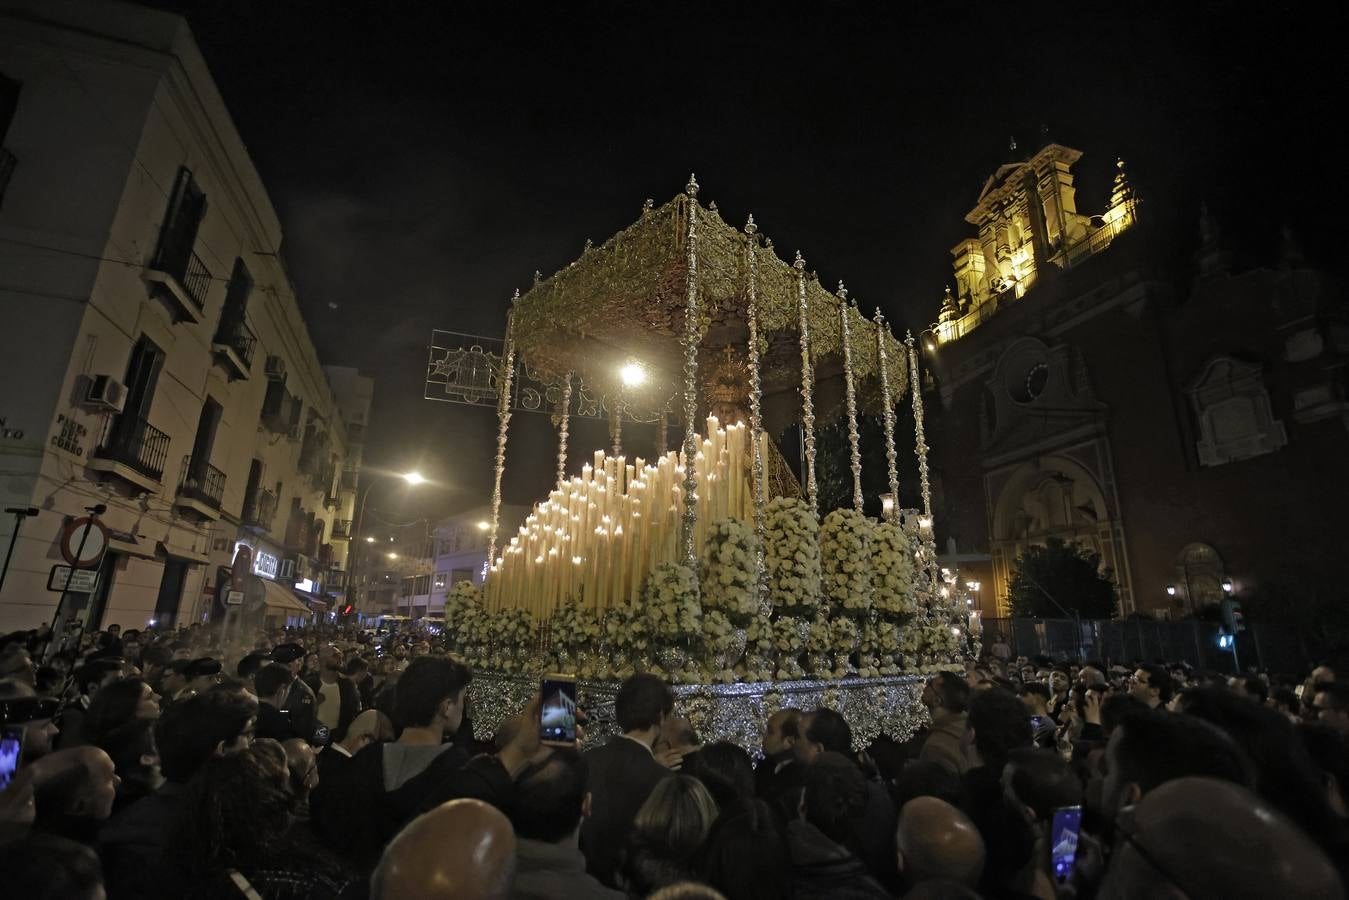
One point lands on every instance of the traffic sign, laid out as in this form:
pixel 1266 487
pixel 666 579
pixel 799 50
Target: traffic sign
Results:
pixel 234 598
pixel 73 535
pixel 82 581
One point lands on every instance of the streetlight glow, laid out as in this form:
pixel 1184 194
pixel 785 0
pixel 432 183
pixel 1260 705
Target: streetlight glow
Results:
pixel 393 556
pixel 483 526
pixel 369 540
pixel 633 375
pixel 413 478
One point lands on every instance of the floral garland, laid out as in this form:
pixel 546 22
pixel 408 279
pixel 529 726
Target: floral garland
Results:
pixel 845 550
pixel 670 599
pixel 728 570
pixel 880 646
pixel 627 628
pixel 792 555
pixel 892 571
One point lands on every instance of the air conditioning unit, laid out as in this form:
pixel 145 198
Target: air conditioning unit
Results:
pixel 105 392
pixel 286 572
pixel 276 368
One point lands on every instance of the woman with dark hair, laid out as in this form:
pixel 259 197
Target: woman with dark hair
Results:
pixel 135 756
pixel 236 833
pixel 669 830
pixel 724 769
pixel 118 703
pixel 745 855
pixel 824 845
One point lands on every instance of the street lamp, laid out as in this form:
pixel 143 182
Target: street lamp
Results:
pixel 393 556
pixel 1170 590
pixel 413 479
pixel 1227 585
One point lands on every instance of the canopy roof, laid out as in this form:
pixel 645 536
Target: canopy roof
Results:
pixel 623 301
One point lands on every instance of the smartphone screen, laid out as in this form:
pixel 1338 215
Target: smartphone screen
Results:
pixel 557 713
pixel 1063 840
pixel 11 749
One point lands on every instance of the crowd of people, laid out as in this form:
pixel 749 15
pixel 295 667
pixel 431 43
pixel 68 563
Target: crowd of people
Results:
pixel 331 763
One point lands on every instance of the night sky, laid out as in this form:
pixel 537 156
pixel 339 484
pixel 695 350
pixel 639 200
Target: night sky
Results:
pixel 426 158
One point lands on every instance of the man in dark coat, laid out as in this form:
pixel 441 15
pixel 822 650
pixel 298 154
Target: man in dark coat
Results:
pixel 623 771
pixel 299 705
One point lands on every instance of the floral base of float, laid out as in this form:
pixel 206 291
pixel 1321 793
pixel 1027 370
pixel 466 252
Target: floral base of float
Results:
pixel 853 624
pixel 733 712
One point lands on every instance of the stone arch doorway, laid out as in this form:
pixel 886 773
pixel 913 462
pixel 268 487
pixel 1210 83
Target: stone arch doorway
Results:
pixel 1055 496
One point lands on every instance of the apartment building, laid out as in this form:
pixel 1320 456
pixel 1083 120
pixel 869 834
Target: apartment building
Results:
pixel 153 358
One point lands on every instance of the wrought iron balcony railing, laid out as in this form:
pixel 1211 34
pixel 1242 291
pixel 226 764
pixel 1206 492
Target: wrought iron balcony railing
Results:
pixel 201 481
pixel 137 444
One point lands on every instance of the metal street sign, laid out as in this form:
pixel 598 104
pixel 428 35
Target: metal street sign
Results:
pixel 90 548
pixel 234 598
pixel 84 581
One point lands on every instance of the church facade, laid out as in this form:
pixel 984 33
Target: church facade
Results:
pixel 1193 432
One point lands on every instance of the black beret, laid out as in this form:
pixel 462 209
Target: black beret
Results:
pixel 203 666
pixel 17 710
pixel 285 653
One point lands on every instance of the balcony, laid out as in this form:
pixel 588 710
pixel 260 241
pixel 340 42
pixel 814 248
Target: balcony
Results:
pixel 350 475
pixel 233 346
pixel 200 489
pixel 341 529
pixel 7 165
pixel 134 451
pixel 182 284
pixel 260 510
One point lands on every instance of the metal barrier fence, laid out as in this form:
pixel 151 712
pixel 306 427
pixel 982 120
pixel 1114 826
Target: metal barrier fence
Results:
pixel 1276 648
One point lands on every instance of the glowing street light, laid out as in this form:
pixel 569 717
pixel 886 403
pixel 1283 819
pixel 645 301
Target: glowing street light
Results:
pixel 1170 590
pixel 414 478
pixel 393 556
pixel 633 375
pixel 369 539
pixel 483 526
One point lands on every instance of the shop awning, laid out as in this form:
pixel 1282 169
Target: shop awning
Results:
pixel 279 599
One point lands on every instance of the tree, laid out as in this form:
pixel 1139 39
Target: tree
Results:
pixel 1059 578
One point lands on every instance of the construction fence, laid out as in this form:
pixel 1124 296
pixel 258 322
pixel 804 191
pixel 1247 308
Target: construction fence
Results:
pixel 1278 649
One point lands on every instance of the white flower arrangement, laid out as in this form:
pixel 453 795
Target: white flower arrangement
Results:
pixel 788 645
pixel 819 640
pixel 670 598
pixel 844 635
pixel 845 553
pixel 892 571
pixel 512 635
pixel 462 596
pixel 792 555
pixel 574 626
pixel 626 628
pixel 728 570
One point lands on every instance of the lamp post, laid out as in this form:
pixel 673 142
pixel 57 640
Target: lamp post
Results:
pixel 412 479
pixel 20 513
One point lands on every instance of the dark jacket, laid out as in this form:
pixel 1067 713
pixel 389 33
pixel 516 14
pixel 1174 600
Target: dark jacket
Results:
pixel 546 871
pixel 131 846
pixel 768 773
pixel 621 775
pixel 784 788
pixel 942 744
pixel 355 816
pixel 300 709
pixel 273 723
pixel 350 703
pixel 824 870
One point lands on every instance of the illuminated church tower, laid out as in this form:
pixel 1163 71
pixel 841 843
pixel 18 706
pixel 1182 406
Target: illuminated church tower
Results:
pixel 1027 220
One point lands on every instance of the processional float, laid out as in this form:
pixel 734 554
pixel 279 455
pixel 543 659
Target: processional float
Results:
pixel 681 318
